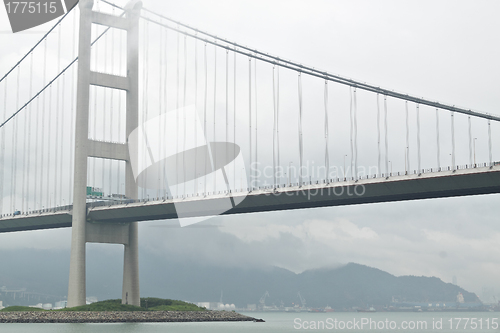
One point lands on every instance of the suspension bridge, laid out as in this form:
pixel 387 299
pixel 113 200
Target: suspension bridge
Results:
pixel 121 115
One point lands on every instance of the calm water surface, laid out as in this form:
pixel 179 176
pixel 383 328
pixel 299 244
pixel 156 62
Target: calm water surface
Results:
pixel 293 322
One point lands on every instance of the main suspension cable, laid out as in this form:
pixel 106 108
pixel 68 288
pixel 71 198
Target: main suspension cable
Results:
pixel 307 69
pixel 53 80
pixel 35 46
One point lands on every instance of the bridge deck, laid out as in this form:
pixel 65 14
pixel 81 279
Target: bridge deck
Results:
pixel 396 188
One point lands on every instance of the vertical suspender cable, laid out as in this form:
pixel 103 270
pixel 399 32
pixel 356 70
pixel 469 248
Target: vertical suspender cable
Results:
pixel 111 111
pixel 95 115
pixel 56 143
pixel 355 107
pixel 214 152
pixel 166 105
pixel 14 146
pixel 327 157
pixel 227 105
pixel 61 96
pixel 386 138
pixel 274 130
pixel 278 121
pixel 71 124
pixel 489 143
pixel 300 129
pixel 418 140
pixel 378 136
pixel 161 107
pixel 62 139
pixel 61 178
pixel 104 112
pixel 470 141
pixel 35 173
pixel 234 119
pixel 185 120
pixel 23 192
pixel 407 148
pixel 2 146
pixel 146 97
pixel 142 115
pixel 256 120
pixel 195 124
pixel 22 134
pixel 28 150
pixel 250 186
pixel 351 129
pixel 42 134
pixel 453 140
pixel 177 169
pixel 437 138
pixel 49 145
pixel 205 122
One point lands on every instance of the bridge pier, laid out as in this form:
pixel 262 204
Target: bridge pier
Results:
pixel 130 292
pixel 82 230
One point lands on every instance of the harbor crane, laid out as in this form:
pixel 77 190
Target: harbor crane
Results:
pixel 302 300
pixel 262 300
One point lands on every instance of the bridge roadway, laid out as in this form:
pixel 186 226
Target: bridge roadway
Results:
pixel 462 182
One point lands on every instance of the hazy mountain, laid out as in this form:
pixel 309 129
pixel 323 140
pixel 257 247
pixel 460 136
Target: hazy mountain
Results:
pixel 46 272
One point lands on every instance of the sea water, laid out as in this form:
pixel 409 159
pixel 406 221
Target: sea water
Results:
pixel 281 322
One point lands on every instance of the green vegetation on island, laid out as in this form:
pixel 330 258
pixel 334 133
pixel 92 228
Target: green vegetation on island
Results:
pixel 147 304
pixel 16 308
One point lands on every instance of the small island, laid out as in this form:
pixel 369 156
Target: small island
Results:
pixel 113 311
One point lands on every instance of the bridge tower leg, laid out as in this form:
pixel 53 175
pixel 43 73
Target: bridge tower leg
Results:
pixel 130 291
pixel 84 231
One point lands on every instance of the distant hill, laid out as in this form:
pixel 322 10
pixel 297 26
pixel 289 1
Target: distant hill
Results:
pixel 343 287
pixel 359 285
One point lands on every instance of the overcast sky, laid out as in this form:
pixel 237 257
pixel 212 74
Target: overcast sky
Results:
pixel 444 50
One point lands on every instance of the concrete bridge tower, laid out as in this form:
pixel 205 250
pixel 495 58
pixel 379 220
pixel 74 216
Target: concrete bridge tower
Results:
pixel 82 230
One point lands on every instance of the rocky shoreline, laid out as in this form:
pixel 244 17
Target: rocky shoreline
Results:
pixel 120 316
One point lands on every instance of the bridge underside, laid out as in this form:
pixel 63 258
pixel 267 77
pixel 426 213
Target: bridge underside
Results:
pixel 399 188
